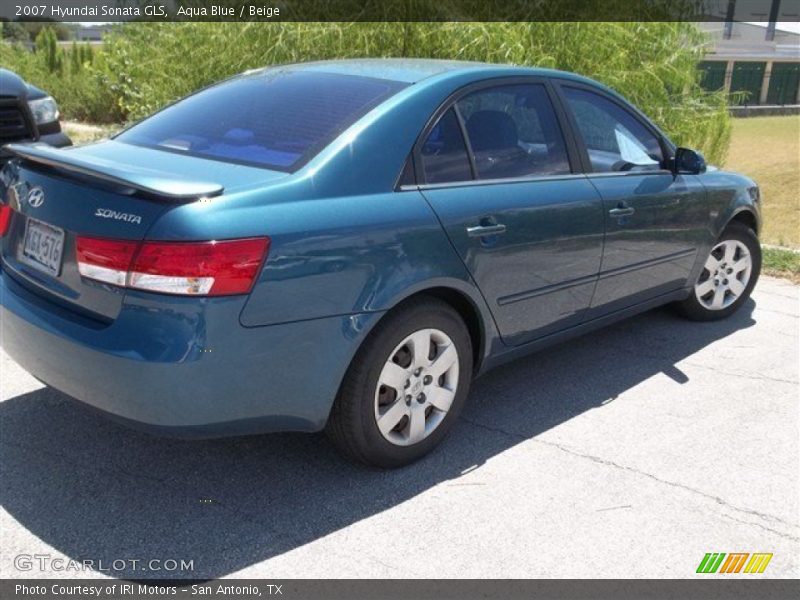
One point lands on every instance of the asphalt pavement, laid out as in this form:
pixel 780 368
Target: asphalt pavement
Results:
pixel 630 452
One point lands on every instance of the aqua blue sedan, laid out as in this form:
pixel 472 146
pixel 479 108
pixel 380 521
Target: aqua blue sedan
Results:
pixel 344 245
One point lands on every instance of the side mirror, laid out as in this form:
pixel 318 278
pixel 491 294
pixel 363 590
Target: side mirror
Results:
pixel 688 161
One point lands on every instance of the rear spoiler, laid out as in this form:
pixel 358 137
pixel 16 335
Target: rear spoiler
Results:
pixel 144 180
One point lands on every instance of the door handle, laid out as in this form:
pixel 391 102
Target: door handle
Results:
pixel 483 230
pixel 622 211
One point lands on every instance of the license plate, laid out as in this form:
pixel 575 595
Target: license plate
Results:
pixel 42 247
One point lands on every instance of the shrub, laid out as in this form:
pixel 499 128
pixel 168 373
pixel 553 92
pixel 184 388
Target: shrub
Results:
pixel 67 74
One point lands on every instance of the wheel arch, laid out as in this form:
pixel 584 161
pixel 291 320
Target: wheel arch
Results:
pixel 746 217
pixel 466 309
pixel 469 305
pixel 465 300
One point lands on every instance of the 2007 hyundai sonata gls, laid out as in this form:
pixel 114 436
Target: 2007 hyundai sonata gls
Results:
pixel 343 245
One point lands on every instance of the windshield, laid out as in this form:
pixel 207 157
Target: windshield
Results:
pixel 276 119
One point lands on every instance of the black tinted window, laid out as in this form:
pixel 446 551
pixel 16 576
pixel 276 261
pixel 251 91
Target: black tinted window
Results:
pixel 614 138
pixel 513 132
pixel 275 119
pixel 444 155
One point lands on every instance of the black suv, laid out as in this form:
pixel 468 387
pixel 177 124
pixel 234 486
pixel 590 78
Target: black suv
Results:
pixel 27 114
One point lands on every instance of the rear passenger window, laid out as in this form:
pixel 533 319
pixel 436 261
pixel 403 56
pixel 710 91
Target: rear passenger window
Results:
pixel 444 154
pixel 514 132
pixel 614 138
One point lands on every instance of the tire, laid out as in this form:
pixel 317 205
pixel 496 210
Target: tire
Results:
pixel 373 389
pixel 721 289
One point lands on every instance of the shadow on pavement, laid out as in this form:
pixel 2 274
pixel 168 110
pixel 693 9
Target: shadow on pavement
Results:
pixel 95 490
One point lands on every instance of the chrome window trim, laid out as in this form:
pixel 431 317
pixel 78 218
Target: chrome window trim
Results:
pixel 502 181
pixel 506 180
pixel 605 174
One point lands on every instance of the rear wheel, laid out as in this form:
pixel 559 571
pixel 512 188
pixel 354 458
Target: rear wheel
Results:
pixel 405 387
pixel 728 276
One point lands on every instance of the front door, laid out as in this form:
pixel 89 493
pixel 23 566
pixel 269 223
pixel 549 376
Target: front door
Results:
pixel 653 218
pixel 529 230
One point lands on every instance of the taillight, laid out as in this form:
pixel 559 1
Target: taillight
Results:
pixel 218 268
pixel 105 260
pixel 5 218
pixel 198 268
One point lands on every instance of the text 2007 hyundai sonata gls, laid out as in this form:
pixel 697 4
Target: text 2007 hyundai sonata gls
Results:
pixel 343 245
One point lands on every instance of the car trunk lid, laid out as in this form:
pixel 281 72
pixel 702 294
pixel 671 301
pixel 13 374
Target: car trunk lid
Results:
pixel 59 195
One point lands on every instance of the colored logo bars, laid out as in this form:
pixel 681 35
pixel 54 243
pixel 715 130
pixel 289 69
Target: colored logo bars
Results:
pixel 713 562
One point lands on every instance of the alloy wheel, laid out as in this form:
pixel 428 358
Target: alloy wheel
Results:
pixel 416 387
pixel 725 275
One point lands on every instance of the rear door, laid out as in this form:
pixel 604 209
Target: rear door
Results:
pixel 498 171
pixel 654 219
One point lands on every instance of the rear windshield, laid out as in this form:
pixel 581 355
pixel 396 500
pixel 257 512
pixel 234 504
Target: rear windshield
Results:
pixel 276 119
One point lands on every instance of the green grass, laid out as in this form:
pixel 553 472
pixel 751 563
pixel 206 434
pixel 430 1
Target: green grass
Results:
pixel 781 263
pixel 768 150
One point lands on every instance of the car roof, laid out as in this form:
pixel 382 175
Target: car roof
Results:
pixel 413 70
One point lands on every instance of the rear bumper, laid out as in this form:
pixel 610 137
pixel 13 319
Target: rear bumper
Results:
pixel 184 367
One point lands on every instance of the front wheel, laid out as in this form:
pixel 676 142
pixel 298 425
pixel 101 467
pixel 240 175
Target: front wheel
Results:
pixel 405 387
pixel 728 276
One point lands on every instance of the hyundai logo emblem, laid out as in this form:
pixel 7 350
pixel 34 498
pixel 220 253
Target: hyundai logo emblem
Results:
pixel 36 197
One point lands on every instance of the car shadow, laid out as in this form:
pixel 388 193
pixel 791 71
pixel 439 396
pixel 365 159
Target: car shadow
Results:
pixel 95 490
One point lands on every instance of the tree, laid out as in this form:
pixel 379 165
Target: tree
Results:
pixel 75 61
pixel 47 46
pixel 35 27
pixel 14 32
pixel 87 54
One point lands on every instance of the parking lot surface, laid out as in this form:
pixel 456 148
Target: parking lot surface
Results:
pixel 630 452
